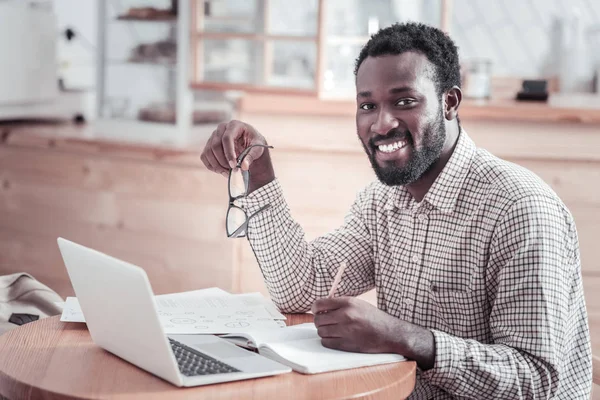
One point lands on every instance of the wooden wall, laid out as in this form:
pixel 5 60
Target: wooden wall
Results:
pixel 162 210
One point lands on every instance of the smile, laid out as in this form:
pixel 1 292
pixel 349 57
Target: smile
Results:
pixel 392 147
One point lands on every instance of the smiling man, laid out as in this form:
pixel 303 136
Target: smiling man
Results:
pixel 475 260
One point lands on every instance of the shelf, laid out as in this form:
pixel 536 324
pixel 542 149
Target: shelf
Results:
pixel 167 64
pixel 167 115
pixel 158 18
pixel 149 52
pixel 513 110
pixel 250 90
pixel 228 18
pixel 508 110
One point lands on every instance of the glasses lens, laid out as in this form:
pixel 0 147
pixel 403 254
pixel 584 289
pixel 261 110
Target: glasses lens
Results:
pixel 235 218
pixel 238 182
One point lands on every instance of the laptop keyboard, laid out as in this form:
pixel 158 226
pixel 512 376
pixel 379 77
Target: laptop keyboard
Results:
pixel 193 363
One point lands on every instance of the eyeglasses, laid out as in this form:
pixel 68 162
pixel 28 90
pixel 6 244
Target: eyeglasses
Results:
pixel 237 220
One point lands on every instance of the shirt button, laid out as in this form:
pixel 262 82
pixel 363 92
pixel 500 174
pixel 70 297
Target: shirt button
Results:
pixel 408 302
pixel 422 217
pixel 416 258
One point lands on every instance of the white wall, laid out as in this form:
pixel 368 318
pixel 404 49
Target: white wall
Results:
pixel 77 57
pixel 140 84
pixel 519 36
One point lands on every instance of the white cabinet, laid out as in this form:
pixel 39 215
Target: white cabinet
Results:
pixel 142 73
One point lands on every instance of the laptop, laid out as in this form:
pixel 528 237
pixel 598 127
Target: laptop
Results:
pixel 118 304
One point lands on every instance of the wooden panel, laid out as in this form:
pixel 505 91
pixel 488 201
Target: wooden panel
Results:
pixel 172 264
pixel 168 219
pixel 591 288
pixel 249 278
pixel 571 180
pixel 202 222
pixel 161 209
pixel 83 139
pixel 529 140
pixel 170 182
pixel 595 392
pixel 494 110
pixel 88 206
pixel 199 217
pixel 509 140
pixel 587 220
pixel 320 185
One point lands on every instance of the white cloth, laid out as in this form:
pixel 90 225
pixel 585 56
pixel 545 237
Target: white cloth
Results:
pixel 24 299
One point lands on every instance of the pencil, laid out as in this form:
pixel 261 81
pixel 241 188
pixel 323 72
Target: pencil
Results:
pixel 338 278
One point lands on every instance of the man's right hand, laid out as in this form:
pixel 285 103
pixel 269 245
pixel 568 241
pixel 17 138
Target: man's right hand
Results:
pixel 225 145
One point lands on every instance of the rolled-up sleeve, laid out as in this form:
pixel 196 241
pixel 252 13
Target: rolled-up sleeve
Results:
pixel 296 271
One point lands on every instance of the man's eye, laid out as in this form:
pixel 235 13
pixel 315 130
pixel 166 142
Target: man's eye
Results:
pixel 405 102
pixel 367 106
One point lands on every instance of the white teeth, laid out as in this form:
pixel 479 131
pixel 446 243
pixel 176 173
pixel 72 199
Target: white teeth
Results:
pixel 389 148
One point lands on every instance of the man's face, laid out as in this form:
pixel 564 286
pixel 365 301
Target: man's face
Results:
pixel 399 117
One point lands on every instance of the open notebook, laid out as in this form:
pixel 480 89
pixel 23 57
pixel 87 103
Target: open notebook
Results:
pixel 300 348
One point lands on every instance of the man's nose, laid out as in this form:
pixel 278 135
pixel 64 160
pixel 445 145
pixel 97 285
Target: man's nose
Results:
pixel 384 123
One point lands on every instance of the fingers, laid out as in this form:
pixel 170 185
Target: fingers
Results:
pixel 329 304
pixel 333 343
pixel 208 156
pixel 236 130
pixel 324 319
pixel 252 155
pixel 329 331
pixel 228 143
pixel 233 131
pixel 217 149
pixel 213 165
pixel 219 154
pixel 208 159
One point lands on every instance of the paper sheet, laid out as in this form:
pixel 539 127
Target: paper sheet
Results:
pixel 213 291
pixel 212 300
pixel 72 311
pixel 216 320
pixel 255 299
pixel 205 311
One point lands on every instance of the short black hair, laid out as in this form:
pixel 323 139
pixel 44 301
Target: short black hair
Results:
pixel 399 38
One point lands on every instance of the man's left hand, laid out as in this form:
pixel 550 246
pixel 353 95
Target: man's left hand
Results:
pixel 350 324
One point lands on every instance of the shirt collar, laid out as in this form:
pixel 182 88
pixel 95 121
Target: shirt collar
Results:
pixel 444 192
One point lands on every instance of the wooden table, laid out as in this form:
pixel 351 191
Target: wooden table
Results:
pixel 49 359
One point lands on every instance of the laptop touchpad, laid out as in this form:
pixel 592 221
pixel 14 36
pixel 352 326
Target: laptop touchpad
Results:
pixel 223 350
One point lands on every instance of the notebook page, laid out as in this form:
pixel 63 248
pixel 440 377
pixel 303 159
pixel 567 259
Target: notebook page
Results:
pixel 311 357
pixel 256 299
pixel 257 338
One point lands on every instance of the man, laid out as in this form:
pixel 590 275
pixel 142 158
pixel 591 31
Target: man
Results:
pixel 475 260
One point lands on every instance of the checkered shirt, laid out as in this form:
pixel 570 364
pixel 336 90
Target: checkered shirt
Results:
pixel 488 261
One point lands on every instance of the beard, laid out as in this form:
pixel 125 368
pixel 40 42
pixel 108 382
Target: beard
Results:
pixel 421 159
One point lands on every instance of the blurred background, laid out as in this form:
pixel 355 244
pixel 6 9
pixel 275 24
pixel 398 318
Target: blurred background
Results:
pixel 105 106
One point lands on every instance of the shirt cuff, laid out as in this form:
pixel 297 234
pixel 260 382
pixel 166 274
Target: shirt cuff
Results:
pixel 450 354
pixel 270 194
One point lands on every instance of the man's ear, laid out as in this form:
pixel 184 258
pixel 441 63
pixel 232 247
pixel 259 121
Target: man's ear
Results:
pixel 452 99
